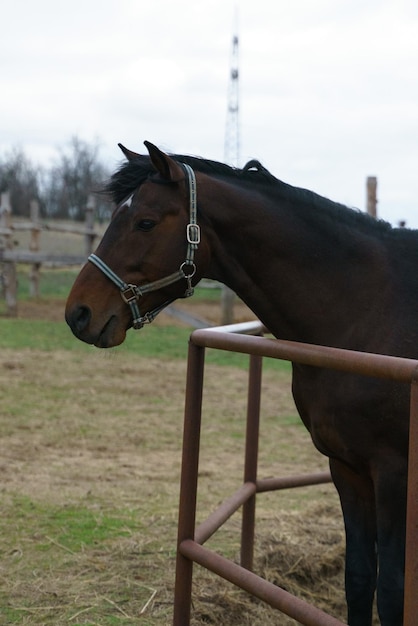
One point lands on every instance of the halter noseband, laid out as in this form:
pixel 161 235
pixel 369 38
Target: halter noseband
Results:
pixel 131 293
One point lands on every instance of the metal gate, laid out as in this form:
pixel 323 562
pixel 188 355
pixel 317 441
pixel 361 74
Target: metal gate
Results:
pixel 190 549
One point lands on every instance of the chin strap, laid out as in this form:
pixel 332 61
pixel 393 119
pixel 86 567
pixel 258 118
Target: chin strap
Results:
pixel 131 293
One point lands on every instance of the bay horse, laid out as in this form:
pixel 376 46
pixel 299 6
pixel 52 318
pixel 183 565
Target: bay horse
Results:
pixel 312 271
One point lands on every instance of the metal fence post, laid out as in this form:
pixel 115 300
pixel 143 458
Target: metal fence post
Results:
pixel 251 460
pixel 411 561
pixel 188 484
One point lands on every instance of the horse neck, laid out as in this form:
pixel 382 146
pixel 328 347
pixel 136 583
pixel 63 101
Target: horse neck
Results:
pixel 295 275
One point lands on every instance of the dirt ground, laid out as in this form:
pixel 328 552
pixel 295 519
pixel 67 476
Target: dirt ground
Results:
pixel 112 441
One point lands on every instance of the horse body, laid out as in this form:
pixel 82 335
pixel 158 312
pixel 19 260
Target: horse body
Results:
pixel 339 286
pixel 312 271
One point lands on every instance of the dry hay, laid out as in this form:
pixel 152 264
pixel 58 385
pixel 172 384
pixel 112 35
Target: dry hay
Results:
pixel 303 554
pixel 306 557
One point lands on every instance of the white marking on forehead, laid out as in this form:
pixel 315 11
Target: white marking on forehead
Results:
pixel 127 202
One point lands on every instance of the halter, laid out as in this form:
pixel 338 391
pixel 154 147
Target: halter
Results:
pixel 131 293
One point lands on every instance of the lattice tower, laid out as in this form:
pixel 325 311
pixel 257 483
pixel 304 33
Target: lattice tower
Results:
pixel 232 140
pixel 231 157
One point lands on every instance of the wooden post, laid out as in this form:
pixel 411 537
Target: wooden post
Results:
pixel 227 305
pixel 34 247
pixel 372 196
pixel 4 234
pixel 9 267
pixel 90 234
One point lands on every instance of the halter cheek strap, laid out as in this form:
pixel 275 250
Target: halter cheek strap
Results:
pixel 131 293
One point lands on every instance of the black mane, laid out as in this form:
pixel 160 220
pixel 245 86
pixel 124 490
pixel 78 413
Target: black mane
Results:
pixel 135 172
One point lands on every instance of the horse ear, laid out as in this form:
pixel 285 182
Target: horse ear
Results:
pixel 128 153
pixel 165 165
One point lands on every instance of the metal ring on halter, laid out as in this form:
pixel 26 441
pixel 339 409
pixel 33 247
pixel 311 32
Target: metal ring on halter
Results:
pixel 188 264
pixel 190 289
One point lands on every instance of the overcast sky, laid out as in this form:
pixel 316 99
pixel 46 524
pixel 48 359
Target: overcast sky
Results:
pixel 328 88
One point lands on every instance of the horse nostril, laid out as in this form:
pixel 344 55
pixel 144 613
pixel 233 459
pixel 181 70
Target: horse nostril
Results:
pixel 79 319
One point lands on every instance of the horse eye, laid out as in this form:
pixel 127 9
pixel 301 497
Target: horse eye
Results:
pixel 145 225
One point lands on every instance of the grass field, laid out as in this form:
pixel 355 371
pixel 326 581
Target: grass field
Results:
pixel 90 445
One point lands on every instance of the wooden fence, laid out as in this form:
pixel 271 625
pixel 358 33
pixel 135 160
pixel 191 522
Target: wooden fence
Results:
pixel 10 256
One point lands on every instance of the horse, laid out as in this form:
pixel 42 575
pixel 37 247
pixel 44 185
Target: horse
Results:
pixel 311 270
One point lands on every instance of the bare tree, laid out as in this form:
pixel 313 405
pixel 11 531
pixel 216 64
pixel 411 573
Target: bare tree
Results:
pixel 76 174
pixel 22 179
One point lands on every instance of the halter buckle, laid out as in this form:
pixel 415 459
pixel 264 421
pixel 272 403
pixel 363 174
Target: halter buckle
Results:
pixel 193 234
pixel 130 293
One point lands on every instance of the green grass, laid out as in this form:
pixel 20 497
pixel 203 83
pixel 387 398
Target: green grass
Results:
pixel 169 342
pixel 53 283
pixel 69 546
pixel 72 528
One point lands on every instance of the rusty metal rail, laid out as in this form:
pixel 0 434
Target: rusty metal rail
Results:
pixel 238 338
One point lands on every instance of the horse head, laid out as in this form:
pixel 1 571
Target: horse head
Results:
pixel 150 254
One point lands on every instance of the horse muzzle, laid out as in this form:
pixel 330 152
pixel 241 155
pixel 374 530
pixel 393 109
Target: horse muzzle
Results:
pixel 102 334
